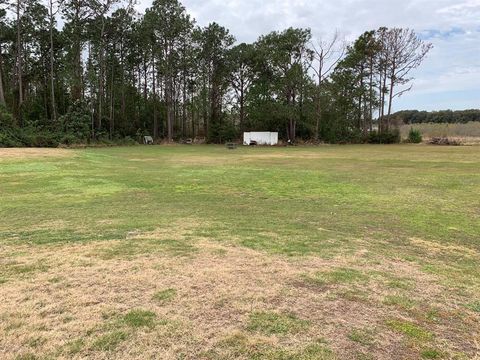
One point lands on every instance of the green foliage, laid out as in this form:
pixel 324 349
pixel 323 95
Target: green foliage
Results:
pixel 224 131
pixel 211 88
pixel 6 119
pixel 384 137
pixel 76 123
pixel 8 138
pixel 443 116
pixel 414 136
pixel 29 137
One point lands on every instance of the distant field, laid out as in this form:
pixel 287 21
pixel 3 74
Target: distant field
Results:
pixel 468 133
pixel 198 252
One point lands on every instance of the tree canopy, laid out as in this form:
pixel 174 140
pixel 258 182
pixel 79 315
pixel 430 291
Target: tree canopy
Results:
pixel 109 73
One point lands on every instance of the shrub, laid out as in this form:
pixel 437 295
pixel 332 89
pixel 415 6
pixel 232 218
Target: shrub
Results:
pixel 6 119
pixel 68 139
pixel 384 137
pixel 7 139
pixel 414 136
pixel 77 122
pixel 127 140
pixel 30 137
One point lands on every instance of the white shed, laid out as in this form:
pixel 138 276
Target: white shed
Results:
pixel 260 137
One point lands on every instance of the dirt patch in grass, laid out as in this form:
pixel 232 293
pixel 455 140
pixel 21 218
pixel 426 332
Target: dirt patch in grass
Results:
pixel 217 294
pixel 29 153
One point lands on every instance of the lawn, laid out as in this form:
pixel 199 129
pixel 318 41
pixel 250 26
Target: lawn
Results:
pixel 199 252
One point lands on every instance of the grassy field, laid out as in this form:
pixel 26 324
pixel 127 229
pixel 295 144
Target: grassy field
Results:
pixel 198 252
pixel 468 133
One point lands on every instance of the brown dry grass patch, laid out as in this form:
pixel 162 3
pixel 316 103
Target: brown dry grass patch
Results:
pixel 29 153
pixel 217 289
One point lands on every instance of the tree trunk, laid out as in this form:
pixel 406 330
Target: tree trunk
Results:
pixel 2 93
pixel 360 99
pixel 242 106
pixel 154 89
pixel 101 77
pixel 168 101
pixel 52 74
pixel 112 98
pixel 145 70
pixel 19 63
pixel 123 104
pixel 370 95
pixel 184 104
pixel 390 95
pixel 77 71
pixel 382 105
pixel 318 104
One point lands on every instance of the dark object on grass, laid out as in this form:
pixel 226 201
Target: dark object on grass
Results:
pixel 253 143
pixel 231 146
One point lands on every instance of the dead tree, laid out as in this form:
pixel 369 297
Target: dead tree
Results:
pixel 327 54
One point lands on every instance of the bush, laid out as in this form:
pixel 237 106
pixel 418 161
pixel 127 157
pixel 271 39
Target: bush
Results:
pixel 414 136
pixel 6 119
pixel 44 139
pixel 68 139
pixel 127 140
pixel 77 122
pixel 30 137
pixel 34 137
pixel 384 137
pixel 7 139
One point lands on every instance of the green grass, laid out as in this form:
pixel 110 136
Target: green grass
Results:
pixel 404 284
pixel 431 354
pixel 139 318
pixel 354 191
pixel 411 330
pixel 400 301
pixel 164 296
pixel 75 346
pixel 337 276
pixel 109 341
pixel 269 323
pixel 27 356
pixel 241 346
pixel 362 336
pixel 382 228
pixel 475 306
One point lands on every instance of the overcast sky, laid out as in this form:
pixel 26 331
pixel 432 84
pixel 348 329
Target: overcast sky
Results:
pixel 449 78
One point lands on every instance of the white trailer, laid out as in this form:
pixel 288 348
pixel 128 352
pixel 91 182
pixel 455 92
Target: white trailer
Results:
pixel 260 138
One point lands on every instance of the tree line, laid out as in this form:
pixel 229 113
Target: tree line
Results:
pixel 109 72
pixel 443 116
